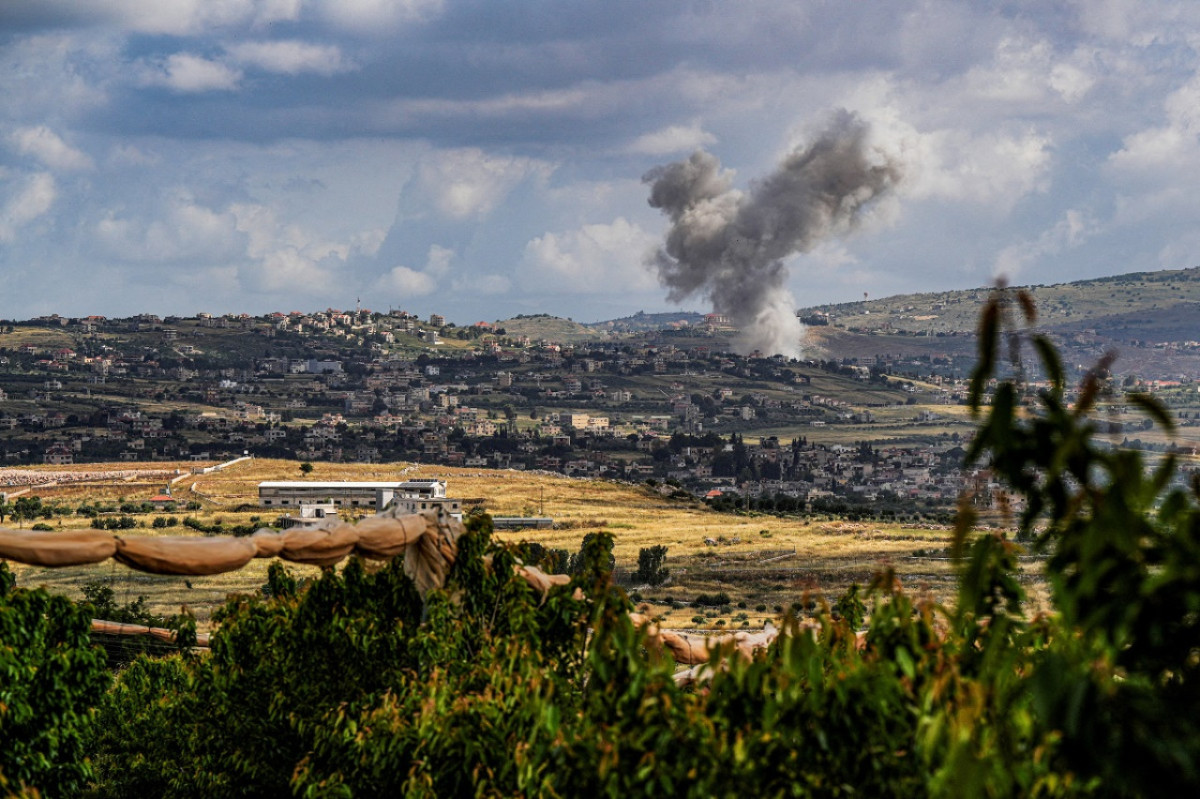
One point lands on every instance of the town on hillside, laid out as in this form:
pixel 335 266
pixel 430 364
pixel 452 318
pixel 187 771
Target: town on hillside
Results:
pixel 671 405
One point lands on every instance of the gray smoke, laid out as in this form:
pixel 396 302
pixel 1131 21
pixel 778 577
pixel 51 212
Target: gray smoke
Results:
pixel 730 246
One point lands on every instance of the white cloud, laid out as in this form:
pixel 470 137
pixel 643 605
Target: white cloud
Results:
pixel 290 57
pixel 378 16
pixel 185 232
pixel 288 258
pixel 288 270
pixel 438 261
pixel 31 199
pixel 673 139
pixel 46 146
pixel 991 168
pixel 1026 72
pixel 1164 150
pixel 405 282
pixel 186 73
pixel 595 258
pixel 1073 229
pixel 132 155
pixel 467 183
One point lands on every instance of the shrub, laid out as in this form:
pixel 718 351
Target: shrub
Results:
pixel 712 600
pixel 53 678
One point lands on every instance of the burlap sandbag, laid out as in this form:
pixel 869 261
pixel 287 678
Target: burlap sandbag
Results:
pixel 268 543
pixel 318 547
pixel 539 580
pixel 118 628
pixel 185 555
pixel 383 537
pixel 99 626
pixel 75 548
pixel 427 562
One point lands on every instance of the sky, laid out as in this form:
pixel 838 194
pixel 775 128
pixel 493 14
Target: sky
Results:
pixel 485 159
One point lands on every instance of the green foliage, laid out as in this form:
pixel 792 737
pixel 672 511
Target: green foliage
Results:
pixel 51 678
pixel 1123 543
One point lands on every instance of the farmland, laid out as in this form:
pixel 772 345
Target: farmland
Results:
pixel 759 560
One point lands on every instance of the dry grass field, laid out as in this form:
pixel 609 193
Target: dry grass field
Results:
pixel 765 564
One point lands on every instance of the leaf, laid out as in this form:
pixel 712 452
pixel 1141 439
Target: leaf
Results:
pixel 989 326
pixel 1153 408
pixel 1051 363
pixel 1027 305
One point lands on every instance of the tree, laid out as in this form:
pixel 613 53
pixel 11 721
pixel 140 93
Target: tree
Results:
pixel 306 468
pixel 650 570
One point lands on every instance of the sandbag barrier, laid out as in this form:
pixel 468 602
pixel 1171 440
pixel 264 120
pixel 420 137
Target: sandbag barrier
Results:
pixel 431 537
pixel 428 540
pixel 102 627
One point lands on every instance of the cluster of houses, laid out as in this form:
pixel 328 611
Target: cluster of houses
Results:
pixel 332 386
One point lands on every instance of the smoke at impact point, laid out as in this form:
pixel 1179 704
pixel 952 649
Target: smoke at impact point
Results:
pixel 730 246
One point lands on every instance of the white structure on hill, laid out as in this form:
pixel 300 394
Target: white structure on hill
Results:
pixel 409 496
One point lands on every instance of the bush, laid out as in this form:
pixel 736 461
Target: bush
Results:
pixel 712 600
pixel 650 570
pixel 52 681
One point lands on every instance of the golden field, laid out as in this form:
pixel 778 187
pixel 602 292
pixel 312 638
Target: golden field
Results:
pixel 761 561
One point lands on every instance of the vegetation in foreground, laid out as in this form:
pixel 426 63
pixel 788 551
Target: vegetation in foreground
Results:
pixel 353 684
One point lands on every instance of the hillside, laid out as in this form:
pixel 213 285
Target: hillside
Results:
pixel 544 327
pixel 1144 295
pixel 1149 319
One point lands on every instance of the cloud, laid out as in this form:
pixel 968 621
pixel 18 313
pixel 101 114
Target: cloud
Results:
pixel 1072 230
pixel 605 258
pixel 174 18
pixel 186 74
pixel 32 198
pixel 994 168
pixel 408 282
pixel 46 146
pixel 470 183
pixel 673 139
pixel 287 270
pixel 185 232
pixel 378 16
pixel 1162 150
pixel 290 57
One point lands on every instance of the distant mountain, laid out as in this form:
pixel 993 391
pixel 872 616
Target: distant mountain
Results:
pixel 1139 305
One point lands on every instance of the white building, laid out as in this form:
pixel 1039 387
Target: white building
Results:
pixel 410 496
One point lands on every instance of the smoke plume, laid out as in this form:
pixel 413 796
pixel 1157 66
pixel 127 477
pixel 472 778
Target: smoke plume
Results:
pixel 730 246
